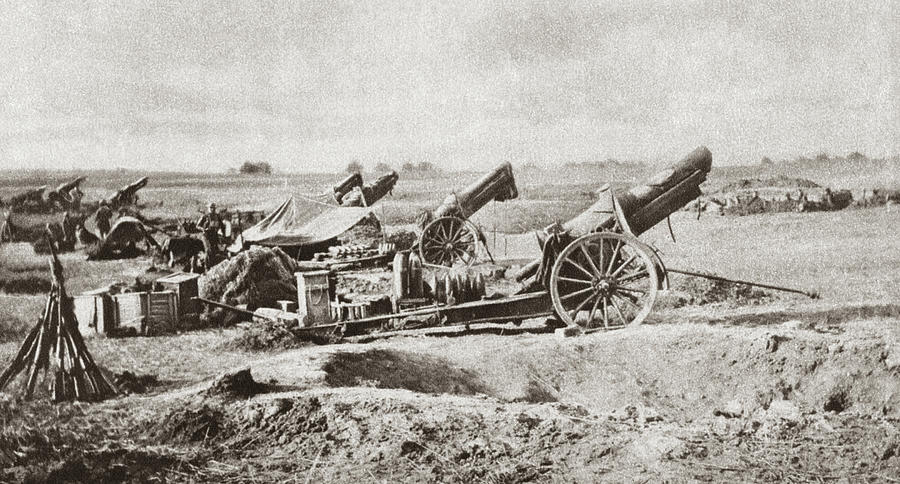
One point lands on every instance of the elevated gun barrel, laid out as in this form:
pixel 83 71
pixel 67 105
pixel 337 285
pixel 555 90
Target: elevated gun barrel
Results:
pixel 367 195
pixel 33 195
pixel 499 185
pixel 643 206
pixel 69 185
pixel 347 185
pixel 647 205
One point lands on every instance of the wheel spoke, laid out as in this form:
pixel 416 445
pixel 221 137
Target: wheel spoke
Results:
pixel 636 275
pixel 623 266
pixel 574 313
pixel 576 293
pixel 628 300
pixel 576 281
pixel 454 233
pixel 587 256
pixel 631 289
pixel 612 260
pixel 593 310
pixel 619 311
pixel 582 269
pixel 605 313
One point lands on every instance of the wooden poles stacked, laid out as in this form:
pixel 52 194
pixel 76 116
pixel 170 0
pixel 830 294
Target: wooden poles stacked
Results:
pixel 55 347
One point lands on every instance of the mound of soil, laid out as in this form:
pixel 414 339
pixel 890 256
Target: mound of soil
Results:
pixel 705 291
pixel 258 277
pixel 780 181
pixel 129 383
pixel 268 336
pixel 367 233
pixel 237 384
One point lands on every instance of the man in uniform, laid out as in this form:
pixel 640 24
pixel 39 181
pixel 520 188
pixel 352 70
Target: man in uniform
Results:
pixel 102 218
pixel 211 225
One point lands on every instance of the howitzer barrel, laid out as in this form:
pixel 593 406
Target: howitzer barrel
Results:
pixel 65 187
pixel 499 185
pixel 381 187
pixel 643 206
pixel 130 189
pixel 352 181
pixel 369 194
pixel 33 195
pixel 646 205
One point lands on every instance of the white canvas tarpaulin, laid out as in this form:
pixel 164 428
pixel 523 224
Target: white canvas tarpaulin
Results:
pixel 303 222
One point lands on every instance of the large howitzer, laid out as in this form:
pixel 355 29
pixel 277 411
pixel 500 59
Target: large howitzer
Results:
pixel 448 237
pixel 33 196
pixel 127 195
pixel 352 193
pixel 353 180
pixel 66 195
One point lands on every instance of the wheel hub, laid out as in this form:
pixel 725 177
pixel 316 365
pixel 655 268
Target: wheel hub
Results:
pixel 604 286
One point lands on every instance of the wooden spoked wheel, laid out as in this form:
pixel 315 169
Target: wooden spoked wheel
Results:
pixel 604 280
pixel 448 241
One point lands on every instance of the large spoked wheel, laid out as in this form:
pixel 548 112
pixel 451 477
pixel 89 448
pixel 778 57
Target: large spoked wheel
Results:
pixel 604 280
pixel 448 241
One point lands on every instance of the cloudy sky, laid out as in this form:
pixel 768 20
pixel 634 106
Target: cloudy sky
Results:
pixel 310 85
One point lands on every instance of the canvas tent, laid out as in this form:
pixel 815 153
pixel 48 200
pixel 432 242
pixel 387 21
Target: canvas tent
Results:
pixel 303 222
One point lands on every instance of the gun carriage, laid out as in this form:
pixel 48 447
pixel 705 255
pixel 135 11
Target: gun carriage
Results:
pixel 448 237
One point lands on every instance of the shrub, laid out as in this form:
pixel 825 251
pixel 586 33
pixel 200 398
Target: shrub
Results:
pixel 255 168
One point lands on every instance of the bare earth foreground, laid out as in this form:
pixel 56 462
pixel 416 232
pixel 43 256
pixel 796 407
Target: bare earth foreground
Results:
pixel 778 389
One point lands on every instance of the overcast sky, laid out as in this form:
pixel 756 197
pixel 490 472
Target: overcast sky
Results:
pixel 310 85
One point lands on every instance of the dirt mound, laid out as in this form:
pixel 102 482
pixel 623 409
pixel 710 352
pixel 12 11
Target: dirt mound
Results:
pixel 400 369
pixel 237 384
pixel 190 424
pixel 701 291
pixel 129 383
pixel 272 336
pixel 258 277
pixel 780 181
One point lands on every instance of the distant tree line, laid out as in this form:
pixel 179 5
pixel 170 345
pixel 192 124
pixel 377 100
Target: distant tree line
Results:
pixel 821 157
pixel 381 167
pixel 255 168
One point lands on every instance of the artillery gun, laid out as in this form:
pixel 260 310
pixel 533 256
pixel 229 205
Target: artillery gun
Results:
pixel 448 237
pixel 32 198
pixel 352 193
pixel 127 195
pixel 66 195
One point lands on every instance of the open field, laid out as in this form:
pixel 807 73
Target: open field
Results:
pixel 783 388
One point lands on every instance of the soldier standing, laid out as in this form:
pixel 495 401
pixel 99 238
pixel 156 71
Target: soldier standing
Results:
pixel 211 225
pixel 102 218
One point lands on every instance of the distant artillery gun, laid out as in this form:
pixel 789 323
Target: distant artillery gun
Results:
pixel 65 196
pixel 448 237
pixel 127 195
pixel 347 185
pixel 29 199
pixel 122 239
pixel 351 192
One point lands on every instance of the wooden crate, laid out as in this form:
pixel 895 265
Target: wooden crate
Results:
pixel 162 312
pixel 186 288
pixel 96 314
pixel 131 312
